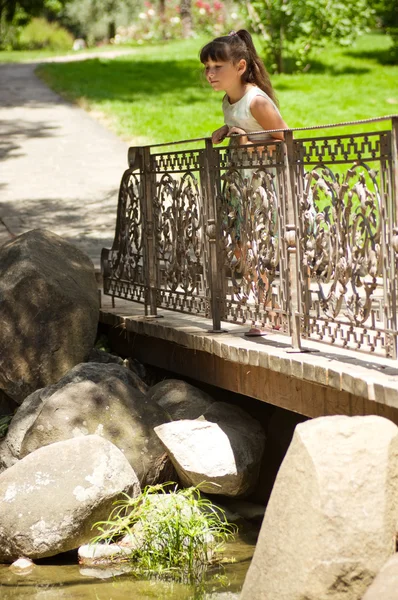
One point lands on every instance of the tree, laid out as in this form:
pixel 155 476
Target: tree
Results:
pixel 186 17
pixel 303 25
pixel 31 8
pixel 387 12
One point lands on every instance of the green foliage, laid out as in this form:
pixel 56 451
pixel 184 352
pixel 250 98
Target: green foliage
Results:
pixel 39 33
pixel 102 343
pixel 175 534
pixel 4 423
pixel 301 26
pixel 31 8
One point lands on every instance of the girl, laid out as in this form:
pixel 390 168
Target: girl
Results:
pixel 233 66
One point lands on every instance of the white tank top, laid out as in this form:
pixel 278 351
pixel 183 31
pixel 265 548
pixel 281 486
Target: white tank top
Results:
pixel 238 114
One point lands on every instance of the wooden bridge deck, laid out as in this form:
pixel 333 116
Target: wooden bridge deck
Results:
pixel 324 380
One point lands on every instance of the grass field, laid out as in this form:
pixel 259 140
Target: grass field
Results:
pixel 158 93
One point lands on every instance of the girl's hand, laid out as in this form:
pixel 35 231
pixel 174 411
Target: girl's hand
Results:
pixel 219 134
pixel 243 140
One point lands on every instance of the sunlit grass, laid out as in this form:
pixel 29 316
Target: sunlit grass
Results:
pixel 158 93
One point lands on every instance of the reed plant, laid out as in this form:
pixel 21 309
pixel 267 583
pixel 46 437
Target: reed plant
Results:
pixel 5 420
pixel 173 534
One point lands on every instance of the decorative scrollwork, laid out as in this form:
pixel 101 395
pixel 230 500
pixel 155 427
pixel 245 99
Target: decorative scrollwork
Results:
pixel 179 233
pixel 249 232
pixel 341 239
pixel 125 259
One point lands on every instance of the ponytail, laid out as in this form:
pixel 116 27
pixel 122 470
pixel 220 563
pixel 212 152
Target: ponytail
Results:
pixel 256 72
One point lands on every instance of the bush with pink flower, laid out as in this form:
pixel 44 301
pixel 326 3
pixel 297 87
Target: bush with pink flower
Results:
pixel 213 18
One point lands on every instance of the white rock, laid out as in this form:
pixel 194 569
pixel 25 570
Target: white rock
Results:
pixel 331 520
pixel 50 499
pixel 22 565
pixel 220 452
pixel 93 554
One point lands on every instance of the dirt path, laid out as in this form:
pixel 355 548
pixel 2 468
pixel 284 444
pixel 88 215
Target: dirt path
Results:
pixel 59 168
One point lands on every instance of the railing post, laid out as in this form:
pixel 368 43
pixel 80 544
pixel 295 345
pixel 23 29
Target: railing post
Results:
pixel 149 232
pixel 291 239
pixel 394 218
pixel 212 232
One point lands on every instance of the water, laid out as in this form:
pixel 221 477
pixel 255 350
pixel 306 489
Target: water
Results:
pixel 51 581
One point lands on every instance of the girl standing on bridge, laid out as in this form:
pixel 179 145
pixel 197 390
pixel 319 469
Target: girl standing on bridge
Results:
pixel 233 66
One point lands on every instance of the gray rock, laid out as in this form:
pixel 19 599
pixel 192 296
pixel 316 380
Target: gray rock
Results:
pixel 49 311
pixel 180 399
pixel 50 500
pixel 7 459
pixel 220 452
pixel 101 356
pixel 92 398
pixel 330 523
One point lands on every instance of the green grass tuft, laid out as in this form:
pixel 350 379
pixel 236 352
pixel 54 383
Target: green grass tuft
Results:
pixel 5 421
pixel 175 534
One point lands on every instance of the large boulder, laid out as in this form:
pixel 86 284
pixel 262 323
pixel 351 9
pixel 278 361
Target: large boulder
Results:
pixel 49 310
pixel 180 399
pixel 220 452
pixel 385 586
pixel 92 398
pixel 50 500
pixel 330 523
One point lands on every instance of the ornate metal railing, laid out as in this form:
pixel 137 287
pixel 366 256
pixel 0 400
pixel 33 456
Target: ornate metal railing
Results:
pixel 300 236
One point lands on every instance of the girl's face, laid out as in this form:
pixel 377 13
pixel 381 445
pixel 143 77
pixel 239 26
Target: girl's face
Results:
pixel 224 76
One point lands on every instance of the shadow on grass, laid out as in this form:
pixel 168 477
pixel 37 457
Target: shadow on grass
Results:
pixel 382 56
pixel 126 80
pixel 317 67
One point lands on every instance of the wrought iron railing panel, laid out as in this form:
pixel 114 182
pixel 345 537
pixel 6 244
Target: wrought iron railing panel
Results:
pixel 301 235
pixel 123 265
pixel 179 233
pixel 251 217
pixel 347 278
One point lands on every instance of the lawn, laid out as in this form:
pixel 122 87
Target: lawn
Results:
pixel 158 93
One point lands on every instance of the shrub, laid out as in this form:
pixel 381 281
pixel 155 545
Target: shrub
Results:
pixel 42 34
pixel 174 534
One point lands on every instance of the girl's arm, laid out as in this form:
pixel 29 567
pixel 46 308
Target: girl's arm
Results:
pixel 268 117
pixel 219 134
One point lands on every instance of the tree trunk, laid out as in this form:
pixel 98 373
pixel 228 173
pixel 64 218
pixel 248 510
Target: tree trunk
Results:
pixel 111 30
pixel 186 17
pixel 279 57
pixel 162 17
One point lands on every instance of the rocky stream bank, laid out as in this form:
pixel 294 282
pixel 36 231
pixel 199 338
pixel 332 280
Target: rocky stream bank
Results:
pixel 89 427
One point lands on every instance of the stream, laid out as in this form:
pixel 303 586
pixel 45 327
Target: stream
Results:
pixel 51 580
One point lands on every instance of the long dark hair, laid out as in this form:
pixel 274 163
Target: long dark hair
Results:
pixel 235 47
